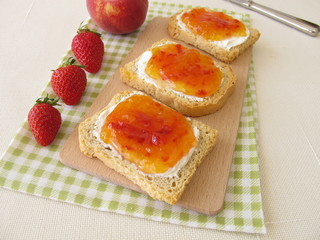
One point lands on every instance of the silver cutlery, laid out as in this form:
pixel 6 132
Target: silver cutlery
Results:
pixel 302 25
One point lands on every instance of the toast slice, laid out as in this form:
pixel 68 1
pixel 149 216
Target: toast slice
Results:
pixel 134 75
pixel 178 30
pixel 161 187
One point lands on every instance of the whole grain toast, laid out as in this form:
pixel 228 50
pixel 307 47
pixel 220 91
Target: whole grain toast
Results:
pixel 177 32
pixel 187 106
pixel 165 188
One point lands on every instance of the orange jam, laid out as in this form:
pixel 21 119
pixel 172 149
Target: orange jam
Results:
pixel 148 134
pixel 184 69
pixel 213 26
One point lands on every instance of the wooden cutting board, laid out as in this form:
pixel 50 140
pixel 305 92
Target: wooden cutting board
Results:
pixel 205 193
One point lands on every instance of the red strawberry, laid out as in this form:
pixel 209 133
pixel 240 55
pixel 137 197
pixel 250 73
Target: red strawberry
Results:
pixel 88 49
pixel 69 82
pixel 44 120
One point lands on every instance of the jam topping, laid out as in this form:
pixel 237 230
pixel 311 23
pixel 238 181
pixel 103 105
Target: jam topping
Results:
pixel 213 26
pixel 184 69
pixel 148 134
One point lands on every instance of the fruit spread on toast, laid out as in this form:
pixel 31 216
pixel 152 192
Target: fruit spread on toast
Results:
pixel 213 26
pixel 184 69
pixel 148 134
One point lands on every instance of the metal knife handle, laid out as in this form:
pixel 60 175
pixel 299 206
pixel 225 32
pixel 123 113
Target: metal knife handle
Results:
pixel 297 23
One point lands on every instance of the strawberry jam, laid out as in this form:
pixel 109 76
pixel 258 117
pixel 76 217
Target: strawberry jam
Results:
pixel 213 26
pixel 184 69
pixel 148 134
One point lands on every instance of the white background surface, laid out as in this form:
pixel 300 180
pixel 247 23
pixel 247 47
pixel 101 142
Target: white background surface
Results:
pixel 34 36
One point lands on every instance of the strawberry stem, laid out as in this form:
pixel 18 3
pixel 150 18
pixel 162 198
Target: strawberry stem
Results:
pixel 71 61
pixel 84 28
pixel 47 100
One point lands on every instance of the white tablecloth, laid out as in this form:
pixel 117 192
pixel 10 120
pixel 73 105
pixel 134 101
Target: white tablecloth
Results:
pixel 34 36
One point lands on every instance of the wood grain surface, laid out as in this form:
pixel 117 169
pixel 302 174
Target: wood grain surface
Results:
pixel 206 191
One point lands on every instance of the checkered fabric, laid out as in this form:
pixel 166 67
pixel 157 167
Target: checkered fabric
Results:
pixel 29 168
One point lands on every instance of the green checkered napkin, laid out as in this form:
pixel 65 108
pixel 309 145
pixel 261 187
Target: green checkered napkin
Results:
pixel 27 167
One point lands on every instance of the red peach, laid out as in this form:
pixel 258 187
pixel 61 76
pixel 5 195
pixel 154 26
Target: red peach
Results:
pixel 118 16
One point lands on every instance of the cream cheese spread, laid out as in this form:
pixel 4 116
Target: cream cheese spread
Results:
pixel 169 173
pixel 226 44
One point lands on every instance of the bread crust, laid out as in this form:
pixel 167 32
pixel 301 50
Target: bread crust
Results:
pixel 186 106
pixel 224 55
pixel 167 189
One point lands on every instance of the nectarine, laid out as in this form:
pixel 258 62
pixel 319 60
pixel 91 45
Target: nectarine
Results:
pixel 118 16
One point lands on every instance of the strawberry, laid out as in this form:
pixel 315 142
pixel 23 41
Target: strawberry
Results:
pixel 88 49
pixel 44 120
pixel 69 82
